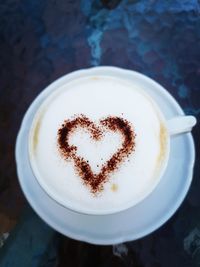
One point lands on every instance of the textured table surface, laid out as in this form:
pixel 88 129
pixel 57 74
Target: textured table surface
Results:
pixel 43 40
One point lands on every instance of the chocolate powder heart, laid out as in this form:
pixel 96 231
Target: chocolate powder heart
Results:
pixel 115 124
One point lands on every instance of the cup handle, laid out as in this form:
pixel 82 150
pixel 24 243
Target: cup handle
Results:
pixel 181 124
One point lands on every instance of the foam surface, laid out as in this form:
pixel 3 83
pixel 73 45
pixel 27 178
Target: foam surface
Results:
pixel 97 98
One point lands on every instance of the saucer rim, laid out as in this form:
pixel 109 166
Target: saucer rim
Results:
pixel 159 223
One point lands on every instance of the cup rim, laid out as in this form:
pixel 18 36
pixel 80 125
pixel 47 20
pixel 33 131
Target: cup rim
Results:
pixel 57 84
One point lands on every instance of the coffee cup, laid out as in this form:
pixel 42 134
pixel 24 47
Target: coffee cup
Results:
pixel 100 144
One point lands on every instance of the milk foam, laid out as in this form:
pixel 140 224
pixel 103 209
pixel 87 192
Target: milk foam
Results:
pixel 97 98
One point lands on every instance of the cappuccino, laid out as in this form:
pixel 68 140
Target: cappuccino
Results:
pixel 98 144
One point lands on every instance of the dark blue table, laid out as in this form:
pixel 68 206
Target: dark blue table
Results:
pixel 43 40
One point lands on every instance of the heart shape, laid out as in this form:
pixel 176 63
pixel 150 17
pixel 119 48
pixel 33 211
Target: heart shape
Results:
pixel 83 168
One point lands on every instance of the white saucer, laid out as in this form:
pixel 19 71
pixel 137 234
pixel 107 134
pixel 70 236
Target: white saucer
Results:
pixel 135 222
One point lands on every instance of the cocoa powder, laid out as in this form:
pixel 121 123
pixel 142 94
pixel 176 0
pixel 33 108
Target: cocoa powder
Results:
pixel 82 167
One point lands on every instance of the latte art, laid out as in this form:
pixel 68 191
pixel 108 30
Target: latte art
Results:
pixel 98 144
pixel 83 168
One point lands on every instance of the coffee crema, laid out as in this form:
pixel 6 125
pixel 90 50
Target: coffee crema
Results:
pixel 83 168
pixel 97 143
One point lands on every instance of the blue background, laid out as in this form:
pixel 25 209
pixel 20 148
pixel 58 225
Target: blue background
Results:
pixel 43 40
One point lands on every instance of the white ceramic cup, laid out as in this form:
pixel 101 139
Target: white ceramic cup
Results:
pixel 173 126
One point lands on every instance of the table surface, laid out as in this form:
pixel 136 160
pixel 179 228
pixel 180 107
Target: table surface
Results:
pixel 43 40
